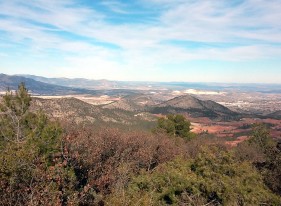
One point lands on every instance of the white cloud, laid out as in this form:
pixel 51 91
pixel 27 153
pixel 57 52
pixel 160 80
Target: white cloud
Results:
pixel 251 28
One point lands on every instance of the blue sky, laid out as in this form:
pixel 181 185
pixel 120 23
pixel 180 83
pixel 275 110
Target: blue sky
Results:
pixel 150 40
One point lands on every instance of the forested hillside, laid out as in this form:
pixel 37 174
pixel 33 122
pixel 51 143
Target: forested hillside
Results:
pixel 47 162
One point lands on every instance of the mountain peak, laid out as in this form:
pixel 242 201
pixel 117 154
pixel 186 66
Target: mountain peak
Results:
pixel 195 107
pixel 183 102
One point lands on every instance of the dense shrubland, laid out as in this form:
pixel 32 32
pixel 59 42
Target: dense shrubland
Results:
pixel 213 178
pixel 46 163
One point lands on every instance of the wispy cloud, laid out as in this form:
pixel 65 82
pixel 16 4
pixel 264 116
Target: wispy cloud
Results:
pixel 116 6
pixel 93 39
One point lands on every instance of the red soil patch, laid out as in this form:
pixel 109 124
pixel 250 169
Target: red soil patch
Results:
pixel 231 129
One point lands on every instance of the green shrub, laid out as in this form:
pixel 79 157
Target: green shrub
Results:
pixel 213 178
pixel 175 125
pixel 33 169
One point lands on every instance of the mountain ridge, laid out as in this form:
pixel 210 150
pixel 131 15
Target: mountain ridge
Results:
pixel 74 110
pixel 73 82
pixel 118 84
pixel 194 107
pixel 42 88
pixel 135 102
pixel 37 87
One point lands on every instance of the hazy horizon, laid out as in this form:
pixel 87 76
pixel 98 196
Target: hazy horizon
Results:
pixel 157 40
pixel 140 81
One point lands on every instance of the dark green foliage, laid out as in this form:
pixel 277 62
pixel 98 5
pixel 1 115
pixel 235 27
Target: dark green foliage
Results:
pixel 175 125
pixel 270 164
pixel 261 138
pixel 213 178
pixel 167 125
pixel 263 152
pixel 20 126
pixel 257 147
pixel 15 117
pixel 33 170
pixel 271 170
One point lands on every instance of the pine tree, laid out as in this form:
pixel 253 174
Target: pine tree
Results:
pixel 175 125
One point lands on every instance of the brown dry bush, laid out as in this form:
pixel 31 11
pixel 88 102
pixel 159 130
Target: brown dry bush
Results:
pixel 107 158
pixel 194 146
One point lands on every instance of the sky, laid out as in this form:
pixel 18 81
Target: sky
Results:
pixel 143 40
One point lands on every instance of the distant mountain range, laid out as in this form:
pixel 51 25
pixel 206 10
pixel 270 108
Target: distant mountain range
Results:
pixel 37 87
pixel 139 85
pixel 77 82
pixel 92 84
pixel 42 88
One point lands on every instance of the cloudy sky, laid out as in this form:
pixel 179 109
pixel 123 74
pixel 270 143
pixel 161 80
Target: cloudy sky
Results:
pixel 154 40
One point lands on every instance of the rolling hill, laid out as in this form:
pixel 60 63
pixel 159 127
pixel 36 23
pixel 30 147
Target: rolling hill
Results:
pixel 77 111
pixel 182 104
pixel 195 108
pixel 135 102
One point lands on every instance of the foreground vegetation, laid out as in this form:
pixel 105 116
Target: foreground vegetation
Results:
pixel 46 163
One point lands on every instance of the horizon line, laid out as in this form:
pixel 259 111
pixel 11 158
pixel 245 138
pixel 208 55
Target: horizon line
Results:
pixel 146 81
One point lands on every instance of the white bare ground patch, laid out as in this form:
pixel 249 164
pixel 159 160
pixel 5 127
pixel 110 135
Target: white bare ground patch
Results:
pixel 104 99
pixel 203 92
